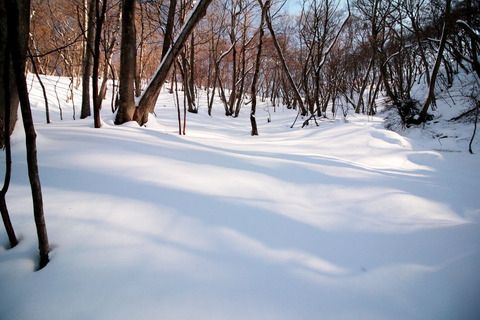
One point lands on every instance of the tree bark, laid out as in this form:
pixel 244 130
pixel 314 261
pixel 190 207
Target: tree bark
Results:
pixel 258 59
pixel 233 40
pixel 150 95
pixel 12 238
pixel 97 98
pixel 126 108
pixel 88 59
pixel 167 40
pixel 192 107
pixel 11 89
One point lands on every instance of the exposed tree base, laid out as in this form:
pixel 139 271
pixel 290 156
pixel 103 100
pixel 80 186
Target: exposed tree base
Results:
pixel 410 113
pixel 253 122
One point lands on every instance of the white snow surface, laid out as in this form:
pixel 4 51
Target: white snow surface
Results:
pixel 346 220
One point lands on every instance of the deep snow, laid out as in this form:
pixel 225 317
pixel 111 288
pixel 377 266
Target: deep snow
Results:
pixel 342 221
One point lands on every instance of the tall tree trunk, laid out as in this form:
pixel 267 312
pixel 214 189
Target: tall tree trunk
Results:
pixel 233 91
pixel 18 63
pixel 150 95
pixel 88 59
pixel 169 28
pixel 243 70
pixel 97 98
pixel 5 79
pixel 191 79
pixel 258 60
pixel 126 108
pixel 139 62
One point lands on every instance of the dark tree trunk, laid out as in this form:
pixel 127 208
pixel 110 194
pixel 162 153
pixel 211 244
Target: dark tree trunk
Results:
pixel 12 238
pixel 242 72
pixel 18 63
pixel 223 97
pixel 11 89
pixel 258 60
pixel 87 60
pixel 126 108
pixel 169 28
pixel 233 91
pixel 191 79
pixel 97 98
pixel 139 63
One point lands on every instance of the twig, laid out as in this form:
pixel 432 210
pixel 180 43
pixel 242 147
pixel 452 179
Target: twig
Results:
pixel 474 128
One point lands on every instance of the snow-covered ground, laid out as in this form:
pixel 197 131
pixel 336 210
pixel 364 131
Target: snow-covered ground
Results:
pixel 342 221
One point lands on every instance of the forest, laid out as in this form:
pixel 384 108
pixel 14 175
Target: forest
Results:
pixel 239 159
pixel 327 54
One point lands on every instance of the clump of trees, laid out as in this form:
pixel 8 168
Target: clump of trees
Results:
pixel 331 54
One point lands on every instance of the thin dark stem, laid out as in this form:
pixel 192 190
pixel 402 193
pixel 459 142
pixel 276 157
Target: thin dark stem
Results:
pixel 474 129
pixel 35 70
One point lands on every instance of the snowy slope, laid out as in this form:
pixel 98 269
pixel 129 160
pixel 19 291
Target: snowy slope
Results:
pixel 342 221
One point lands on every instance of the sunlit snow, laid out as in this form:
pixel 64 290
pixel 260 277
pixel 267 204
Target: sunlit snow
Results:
pixel 343 221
